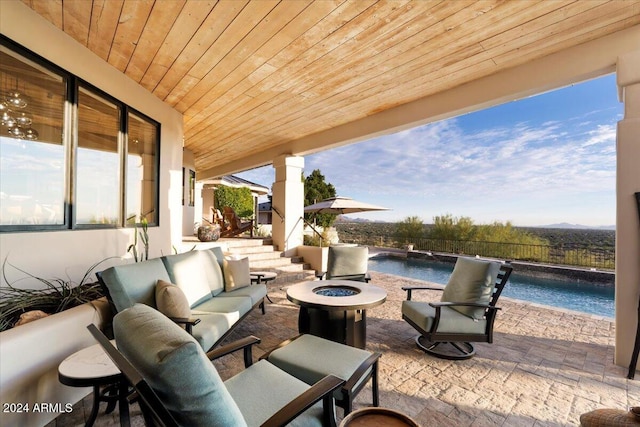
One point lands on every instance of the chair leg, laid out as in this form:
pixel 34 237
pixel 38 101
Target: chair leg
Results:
pixel 444 350
pixel 374 385
pixel 348 402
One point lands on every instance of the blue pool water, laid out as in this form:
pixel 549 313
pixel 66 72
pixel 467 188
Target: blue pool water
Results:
pixel 579 296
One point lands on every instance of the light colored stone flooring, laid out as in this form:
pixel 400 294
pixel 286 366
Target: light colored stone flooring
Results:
pixel 545 367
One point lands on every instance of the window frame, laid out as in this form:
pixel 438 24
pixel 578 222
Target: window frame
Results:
pixel 70 143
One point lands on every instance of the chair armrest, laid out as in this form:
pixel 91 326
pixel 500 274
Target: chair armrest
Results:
pixel 245 344
pixel 188 322
pixel 323 389
pixel 419 288
pixel 358 373
pixel 282 344
pixel 462 304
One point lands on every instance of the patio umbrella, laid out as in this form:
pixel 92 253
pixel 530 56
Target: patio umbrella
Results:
pixel 341 205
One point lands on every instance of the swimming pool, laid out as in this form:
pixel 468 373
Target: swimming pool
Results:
pixel 579 296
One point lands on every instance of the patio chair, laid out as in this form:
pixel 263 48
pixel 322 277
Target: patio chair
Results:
pixel 177 384
pixel 347 263
pixel 310 358
pixel 217 218
pixel 235 225
pixel 466 312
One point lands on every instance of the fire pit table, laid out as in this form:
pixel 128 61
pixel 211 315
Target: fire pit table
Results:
pixel 336 309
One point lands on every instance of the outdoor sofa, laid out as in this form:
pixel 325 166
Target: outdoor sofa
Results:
pixel 218 291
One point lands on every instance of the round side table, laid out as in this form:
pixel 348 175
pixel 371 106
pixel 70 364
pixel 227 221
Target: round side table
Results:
pixel 263 277
pixel 92 367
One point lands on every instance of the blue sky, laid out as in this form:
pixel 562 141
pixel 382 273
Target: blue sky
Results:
pixel 542 160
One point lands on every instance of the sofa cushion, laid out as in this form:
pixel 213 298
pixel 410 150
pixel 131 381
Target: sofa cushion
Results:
pixel 219 257
pixel 176 367
pixel 186 270
pixel 240 305
pixel 134 283
pixel 213 269
pixel 257 402
pixel 472 280
pixel 212 327
pixel 255 292
pixel 171 301
pixel 236 273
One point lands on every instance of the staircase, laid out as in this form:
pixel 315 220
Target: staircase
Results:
pixel 263 257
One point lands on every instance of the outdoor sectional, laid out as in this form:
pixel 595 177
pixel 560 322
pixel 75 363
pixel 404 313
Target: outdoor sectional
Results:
pixel 218 291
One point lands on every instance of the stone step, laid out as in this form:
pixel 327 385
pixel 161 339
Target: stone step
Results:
pixel 280 262
pixel 231 242
pixel 252 253
pixel 263 256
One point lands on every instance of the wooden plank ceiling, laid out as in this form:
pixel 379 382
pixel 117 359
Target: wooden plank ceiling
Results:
pixel 250 75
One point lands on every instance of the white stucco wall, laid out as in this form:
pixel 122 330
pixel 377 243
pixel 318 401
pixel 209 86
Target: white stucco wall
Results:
pixel 627 226
pixel 71 252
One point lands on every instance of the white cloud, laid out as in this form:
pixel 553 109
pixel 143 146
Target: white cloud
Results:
pixel 528 172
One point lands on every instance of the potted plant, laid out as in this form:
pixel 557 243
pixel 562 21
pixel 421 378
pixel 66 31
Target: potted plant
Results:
pixel 57 295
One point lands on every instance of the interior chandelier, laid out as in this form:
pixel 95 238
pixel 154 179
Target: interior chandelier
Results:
pixel 18 124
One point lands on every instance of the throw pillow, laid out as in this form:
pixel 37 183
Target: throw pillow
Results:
pixel 236 273
pixel 171 300
pixel 471 281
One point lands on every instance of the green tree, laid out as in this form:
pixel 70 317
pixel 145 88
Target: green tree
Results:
pixel 409 228
pixel 315 190
pixel 240 199
pixel 448 227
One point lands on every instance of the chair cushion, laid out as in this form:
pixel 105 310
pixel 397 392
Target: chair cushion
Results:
pixel 134 283
pixel 236 273
pixel 451 321
pixel 472 280
pixel 176 368
pixel 350 261
pixel 171 301
pixel 257 402
pixel 310 358
pixel 186 270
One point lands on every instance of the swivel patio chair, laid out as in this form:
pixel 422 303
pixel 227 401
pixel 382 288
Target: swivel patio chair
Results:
pixel 177 384
pixel 465 313
pixel 347 263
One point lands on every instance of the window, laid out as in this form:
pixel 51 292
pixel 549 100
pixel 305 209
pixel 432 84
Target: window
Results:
pixel 97 161
pixel 32 148
pixel 142 169
pixel 192 187
pixel 70 155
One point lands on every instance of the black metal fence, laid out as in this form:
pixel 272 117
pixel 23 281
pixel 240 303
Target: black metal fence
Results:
pixel 590 256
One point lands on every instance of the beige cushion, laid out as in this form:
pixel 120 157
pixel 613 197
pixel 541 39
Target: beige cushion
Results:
pixel 236 273
pixel 472 281
pixel 171 300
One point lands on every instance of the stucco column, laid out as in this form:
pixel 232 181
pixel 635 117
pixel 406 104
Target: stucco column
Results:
pixel 288 203
pixel 627 225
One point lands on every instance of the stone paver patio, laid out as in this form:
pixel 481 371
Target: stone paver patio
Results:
pixel 545 367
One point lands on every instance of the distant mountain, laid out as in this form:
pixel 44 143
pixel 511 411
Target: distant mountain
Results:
pixel 566 225
pixel 342 218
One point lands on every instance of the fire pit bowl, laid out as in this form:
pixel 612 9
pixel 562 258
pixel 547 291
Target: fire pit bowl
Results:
pixel 336 291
